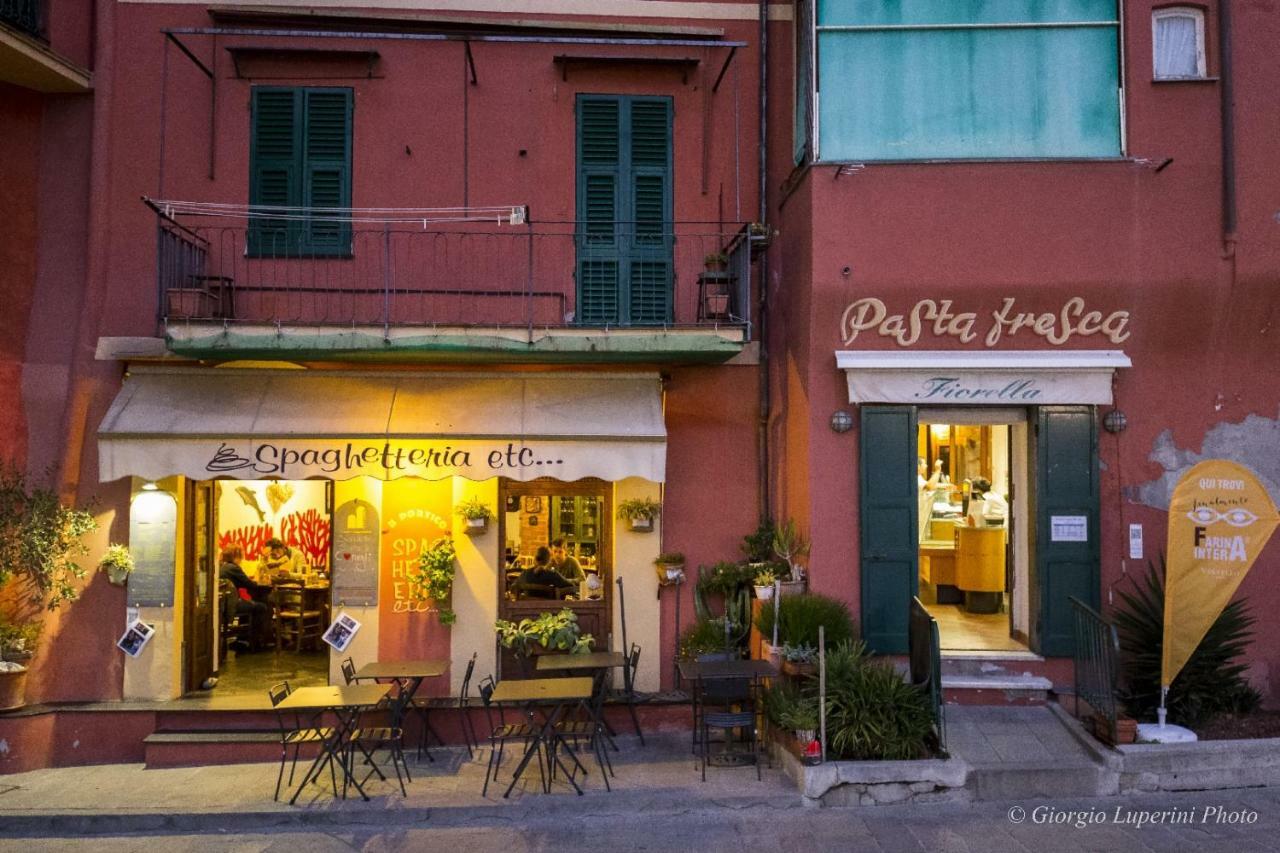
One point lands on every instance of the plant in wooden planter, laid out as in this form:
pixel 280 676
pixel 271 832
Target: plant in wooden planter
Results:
pixel 799 661
pixel 433 579
pixel 550 632
pixel 670 568
pixel 800 616
pixel 477 514
pixel 117 563
pixel 641 512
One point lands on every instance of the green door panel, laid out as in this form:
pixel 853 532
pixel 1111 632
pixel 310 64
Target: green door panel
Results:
pixel 889 506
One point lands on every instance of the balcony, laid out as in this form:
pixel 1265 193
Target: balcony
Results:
pixel 23 15
pixel 493 287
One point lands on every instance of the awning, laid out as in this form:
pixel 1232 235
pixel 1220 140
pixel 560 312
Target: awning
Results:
pixel 295 424
pixel 983 378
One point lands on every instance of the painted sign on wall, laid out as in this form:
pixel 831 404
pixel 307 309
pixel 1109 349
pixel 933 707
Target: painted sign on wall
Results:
pixel 415 513
pixel 355 553
pixel 936 317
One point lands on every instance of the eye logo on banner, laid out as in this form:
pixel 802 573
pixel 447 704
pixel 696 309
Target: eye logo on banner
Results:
pixel 1220 519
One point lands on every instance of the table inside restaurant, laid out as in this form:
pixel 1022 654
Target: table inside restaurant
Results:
pixel 557 693
pixel 408 676
pixel 345 702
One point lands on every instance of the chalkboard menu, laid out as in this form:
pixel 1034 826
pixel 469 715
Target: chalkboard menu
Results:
pixel 355 554
pixel 153 538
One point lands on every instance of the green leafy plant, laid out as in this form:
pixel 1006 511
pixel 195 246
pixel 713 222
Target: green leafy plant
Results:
pixel 799 617
pixel 790 546
pixel 117 561
pixel 799 654
pixel 434 578
pixel 733 583
pixel 790 707
pixel 872 713
pixel 706 636
pixel 639 508
pixel 757 547
pixel 765 578
pixel 40 539
pixel 474 508
pixel 675 558
pixel 1213 679
pixel 17 639
pixel 552 631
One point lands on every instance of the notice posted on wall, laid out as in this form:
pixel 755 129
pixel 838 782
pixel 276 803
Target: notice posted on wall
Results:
pixel 1135 541
pixel 135 638
pixel 1068 528
pixel 341 632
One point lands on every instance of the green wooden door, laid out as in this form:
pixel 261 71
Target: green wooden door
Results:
pixel 1066 544
pixel 889 506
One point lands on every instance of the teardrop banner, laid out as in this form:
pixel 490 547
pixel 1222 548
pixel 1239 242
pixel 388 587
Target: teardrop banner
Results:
pixel 1220 519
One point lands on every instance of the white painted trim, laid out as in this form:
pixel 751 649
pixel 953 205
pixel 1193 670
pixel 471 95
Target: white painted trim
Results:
pixel 1051 360
pixel 592 8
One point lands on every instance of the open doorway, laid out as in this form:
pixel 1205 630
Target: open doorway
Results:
pixel 972 473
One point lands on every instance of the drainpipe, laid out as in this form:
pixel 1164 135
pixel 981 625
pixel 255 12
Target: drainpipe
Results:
pixel 762 315
pixel 1228 132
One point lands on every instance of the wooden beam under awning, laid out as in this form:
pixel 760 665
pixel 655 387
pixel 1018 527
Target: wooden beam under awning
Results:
pixel 26 62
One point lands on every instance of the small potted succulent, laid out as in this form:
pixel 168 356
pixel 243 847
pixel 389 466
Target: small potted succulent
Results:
pixel 477 514
pixel 118 564
pixel 670 568
pixel 640 512
pixel 799 661
pixel 764 585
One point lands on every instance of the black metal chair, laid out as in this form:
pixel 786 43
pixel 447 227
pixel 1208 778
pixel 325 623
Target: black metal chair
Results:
pixel 349 671
pixel 462 703
pixel 294 734
pixel 592 730
pixel 628 692
pixel 369 739
pixel 501 733
pixel 743 721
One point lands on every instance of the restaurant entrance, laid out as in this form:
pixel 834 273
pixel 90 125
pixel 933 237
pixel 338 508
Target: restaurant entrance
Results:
pixel 565 527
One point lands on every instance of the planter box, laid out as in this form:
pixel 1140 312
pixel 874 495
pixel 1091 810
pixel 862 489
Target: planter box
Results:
pixel 476 526
pixel 873 783
pixel 1126 730
pixel 799 670
pixel 669 573
pixel 786 588
pixel 642 525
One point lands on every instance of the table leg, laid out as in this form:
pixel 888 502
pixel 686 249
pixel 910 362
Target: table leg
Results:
pixel 328 752
pixel 547 737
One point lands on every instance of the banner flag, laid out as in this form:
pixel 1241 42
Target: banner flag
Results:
pixel 1220 519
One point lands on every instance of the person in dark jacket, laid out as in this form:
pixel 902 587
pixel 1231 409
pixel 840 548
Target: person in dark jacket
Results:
pixel 251 601
pixel 541 580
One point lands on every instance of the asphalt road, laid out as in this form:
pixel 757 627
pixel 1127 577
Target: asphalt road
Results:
pixel 1237 821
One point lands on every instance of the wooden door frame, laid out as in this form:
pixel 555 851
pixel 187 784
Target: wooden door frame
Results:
pixel 190 569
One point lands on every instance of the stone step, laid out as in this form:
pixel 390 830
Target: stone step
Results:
pixel 1005 781
pixel 995 689
pixel 192 749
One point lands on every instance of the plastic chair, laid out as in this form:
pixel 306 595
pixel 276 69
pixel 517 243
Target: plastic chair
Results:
pixel 293 733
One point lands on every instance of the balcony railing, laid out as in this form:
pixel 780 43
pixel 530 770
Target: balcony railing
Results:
pixel 300 272
pixel 25 15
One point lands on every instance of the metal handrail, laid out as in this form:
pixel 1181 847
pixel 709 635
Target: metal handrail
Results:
pixel 1097 659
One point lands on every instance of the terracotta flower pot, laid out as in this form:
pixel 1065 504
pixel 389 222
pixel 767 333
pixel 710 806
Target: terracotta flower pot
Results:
pixel 13 689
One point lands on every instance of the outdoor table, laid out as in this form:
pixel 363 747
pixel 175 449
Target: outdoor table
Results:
pixel 345 703
pixel 556 692
pixel 701 671
pixel 597 663
pixel 408 676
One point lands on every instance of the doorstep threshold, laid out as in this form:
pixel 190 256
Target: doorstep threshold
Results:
pixel 985 654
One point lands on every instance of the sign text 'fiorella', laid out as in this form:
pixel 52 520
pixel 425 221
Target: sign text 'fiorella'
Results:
pixel 936 317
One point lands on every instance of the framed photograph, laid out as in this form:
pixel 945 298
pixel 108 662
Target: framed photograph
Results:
pixel 135 638
pixel 341 632
pixel 513 503
pixel 532 503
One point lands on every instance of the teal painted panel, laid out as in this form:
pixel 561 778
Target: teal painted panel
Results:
pixel 898 12
pixel 969 94
pixel 889 505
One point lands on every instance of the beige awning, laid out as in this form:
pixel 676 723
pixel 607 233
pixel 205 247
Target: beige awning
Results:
pixel 295 424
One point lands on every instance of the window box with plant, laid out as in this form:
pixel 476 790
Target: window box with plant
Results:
pixel 549 633
pixel 118 564
pixel 40 541
pixel 433 581
pixel 641 512
pixel 670 568
pixel 477 514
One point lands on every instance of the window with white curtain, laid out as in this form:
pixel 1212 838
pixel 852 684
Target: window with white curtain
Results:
pixel 1178 43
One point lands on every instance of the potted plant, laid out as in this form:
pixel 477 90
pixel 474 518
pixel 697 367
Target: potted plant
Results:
pixel 550 632
pixel 799 661
pixel 39 545
pixel 802 719
pixel 790 546
pixel 640 512
pixel 764 585
pixel 117 563
pixel 477 514
pixel 716 262
pixel 670 568
pixel 434 578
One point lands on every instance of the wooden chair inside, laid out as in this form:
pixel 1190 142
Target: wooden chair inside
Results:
pixel 296 626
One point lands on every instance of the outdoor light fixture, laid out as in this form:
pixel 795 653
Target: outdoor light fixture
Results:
pixel 841 421
pixel 149 487
pixel 1114 421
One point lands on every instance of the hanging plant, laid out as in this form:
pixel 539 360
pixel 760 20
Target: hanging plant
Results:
pixel 434 578
pixel 118 564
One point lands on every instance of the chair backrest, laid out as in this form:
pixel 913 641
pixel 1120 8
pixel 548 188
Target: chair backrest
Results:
pixel 633 666
pixel 538 590
pixel 486 688
pixel 227 600
pixel 289 598
pixel 725 690
pixel 349 670
pixel 466 681
pixel 277 693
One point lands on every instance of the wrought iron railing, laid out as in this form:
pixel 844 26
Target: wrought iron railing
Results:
pixel 924 652
pixel 1097 662
pixel 556 274
pixel 25 15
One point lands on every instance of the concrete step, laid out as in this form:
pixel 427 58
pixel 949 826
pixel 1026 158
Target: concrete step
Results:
pixel 193 749
pixel 1005 781
pixel 995 689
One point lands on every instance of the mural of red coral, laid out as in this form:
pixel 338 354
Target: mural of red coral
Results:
pixel 251 539
pixel 309 532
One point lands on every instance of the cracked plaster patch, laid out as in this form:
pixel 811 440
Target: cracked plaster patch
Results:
pixel 1254 443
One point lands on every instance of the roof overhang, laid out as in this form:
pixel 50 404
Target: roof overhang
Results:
pixel 26 62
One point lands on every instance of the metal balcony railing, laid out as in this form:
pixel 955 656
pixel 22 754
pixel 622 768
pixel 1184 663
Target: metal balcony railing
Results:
pixel 25 15
pixel 330 271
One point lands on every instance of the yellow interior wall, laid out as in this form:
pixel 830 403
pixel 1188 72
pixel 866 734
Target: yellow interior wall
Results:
pixel 364 645
pixel 475 587
pixel 156 674
pixel 633 556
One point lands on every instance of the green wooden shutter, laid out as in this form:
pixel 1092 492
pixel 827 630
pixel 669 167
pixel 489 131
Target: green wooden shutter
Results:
pixel 1066 478
pixel 624 210
pixel 327 165
pixel 889 506
pixel 275 156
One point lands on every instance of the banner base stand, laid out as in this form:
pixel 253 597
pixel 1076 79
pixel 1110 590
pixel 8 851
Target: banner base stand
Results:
pixel 1167 733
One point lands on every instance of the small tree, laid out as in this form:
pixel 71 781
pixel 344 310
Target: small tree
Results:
pixel 40 539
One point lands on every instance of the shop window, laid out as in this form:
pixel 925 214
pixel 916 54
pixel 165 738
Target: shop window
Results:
pixel 300 172
pixel 625 233
pixel 1178 44
pixel 930 79
pixel 568 527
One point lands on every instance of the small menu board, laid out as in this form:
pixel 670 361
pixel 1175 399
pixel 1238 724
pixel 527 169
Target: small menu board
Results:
pixel 355 554
pixel 153 532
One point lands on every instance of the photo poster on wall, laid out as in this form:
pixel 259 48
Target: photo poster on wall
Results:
pixel 153 541
pixel 355 554
pixel 415 513
pixel 341 632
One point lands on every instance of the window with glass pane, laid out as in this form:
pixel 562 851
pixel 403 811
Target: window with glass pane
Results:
pixel 563 529
pixel 1178 44
pixel 926 79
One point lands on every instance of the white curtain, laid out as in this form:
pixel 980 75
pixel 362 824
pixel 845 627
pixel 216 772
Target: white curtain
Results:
pixel 1175 46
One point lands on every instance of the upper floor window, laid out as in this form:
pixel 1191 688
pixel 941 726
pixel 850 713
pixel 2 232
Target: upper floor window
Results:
pixel 300 172
pixel 1177 36
pixel 926 79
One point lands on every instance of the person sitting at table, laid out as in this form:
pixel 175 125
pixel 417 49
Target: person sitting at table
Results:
pixel 284 562
pixel 565 563
pixel 541 581
pixel 251 601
